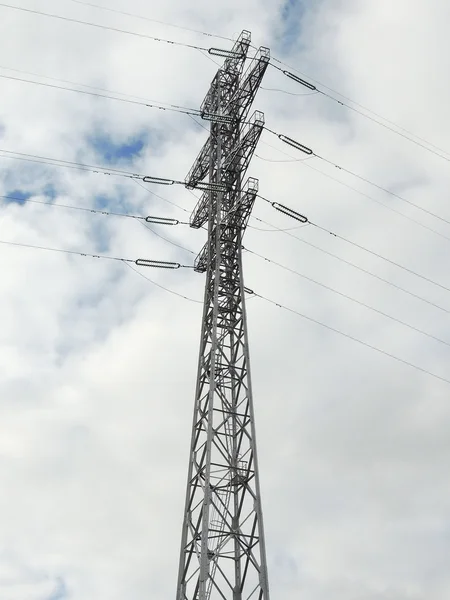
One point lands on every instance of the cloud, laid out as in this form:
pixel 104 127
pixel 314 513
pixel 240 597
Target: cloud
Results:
pixel 98 366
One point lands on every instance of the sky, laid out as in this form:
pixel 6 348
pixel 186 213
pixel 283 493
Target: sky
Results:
pixel 98 364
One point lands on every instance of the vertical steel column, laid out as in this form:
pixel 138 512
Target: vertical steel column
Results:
pixel 222 552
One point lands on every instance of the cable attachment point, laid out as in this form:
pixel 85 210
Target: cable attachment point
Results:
pixel 310 86
pixel 249 291
pixel 226 53
pixel 289 212
pixel 214 187
pixel 158 180
pixel 162 221
pixel 157 264
pixel 294 144
pixel 206 116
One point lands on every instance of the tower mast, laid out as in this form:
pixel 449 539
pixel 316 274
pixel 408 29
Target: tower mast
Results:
pixel 222 550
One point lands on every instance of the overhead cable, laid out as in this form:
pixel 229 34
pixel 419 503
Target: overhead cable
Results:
pixel 140 262
pixel 134 15
pixel 227 53
pixel 351 337
pixel 355 266
pixel 346 296
pixel 92 87
pixel 148 219
pixel 108 28
pixel 155 220
pixel 55 162
pixel 392 126
pixel 162 286
pixel 168 107
pixel 289 212
pixel 306 163
pixel 167 239
pixel 309 152
pixel 160 197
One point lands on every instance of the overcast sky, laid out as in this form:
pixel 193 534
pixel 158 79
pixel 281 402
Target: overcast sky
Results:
pixel 98 365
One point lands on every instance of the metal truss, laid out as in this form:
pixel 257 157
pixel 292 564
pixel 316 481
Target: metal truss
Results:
pixel 222 550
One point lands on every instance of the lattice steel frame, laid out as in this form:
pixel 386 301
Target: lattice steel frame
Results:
pixel 222 550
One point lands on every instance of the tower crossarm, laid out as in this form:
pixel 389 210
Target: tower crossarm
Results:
pixel 227 80
pixel 236 163
pixel 237 98
pixel 242 100
pixel 236 219
pixel 239 158
pixel 232 67
pixel 200 167
pixel 199 215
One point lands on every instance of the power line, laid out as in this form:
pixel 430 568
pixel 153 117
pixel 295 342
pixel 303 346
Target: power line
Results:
pixel 289 93
pixel 126 261
pixel 358 268
pixel 306 150
pixel 171 265
pixel 273 229
pixel 279 161
pixel 293 214
pixel 140 262
pixel 176 43
pixel 305 162
pixel 92 87
pixel 383 189
pixel 168 108
pixel 167 239
pixel 310 279
pixel 386 206
pixel 160 197
pixel 143 220
pixel 380 256
pixel 197 199
pixel 134 176
pixel 148 219
pixel 315 91
pixel 400 131
pixel 70 207
pixel 104 27
pixel 161 286
pixel 55 162
pixel 134 15
pixel 350 337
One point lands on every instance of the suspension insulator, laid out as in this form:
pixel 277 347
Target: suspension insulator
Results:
pixel 289 212
pixel 310 86
pixel 158 180
pixel 162 221
pixel 294 144
pixel 225 53
pixel 157 264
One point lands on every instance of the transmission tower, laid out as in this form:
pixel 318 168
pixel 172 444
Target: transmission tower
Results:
pixel 222 549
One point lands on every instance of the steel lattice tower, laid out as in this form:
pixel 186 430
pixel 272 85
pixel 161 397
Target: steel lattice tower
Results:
pixel 222 549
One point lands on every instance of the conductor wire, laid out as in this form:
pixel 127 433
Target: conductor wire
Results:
pixel 104 27
pixel 350 337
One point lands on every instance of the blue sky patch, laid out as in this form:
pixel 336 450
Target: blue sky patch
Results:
pixel 116 203
pixel 60 592
pixel 292 13
pixel 49 191
pixel 17 197
pixel 112 153
pixel 103 202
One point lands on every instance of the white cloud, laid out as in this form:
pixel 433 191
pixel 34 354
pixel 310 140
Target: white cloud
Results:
pixel 97 366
